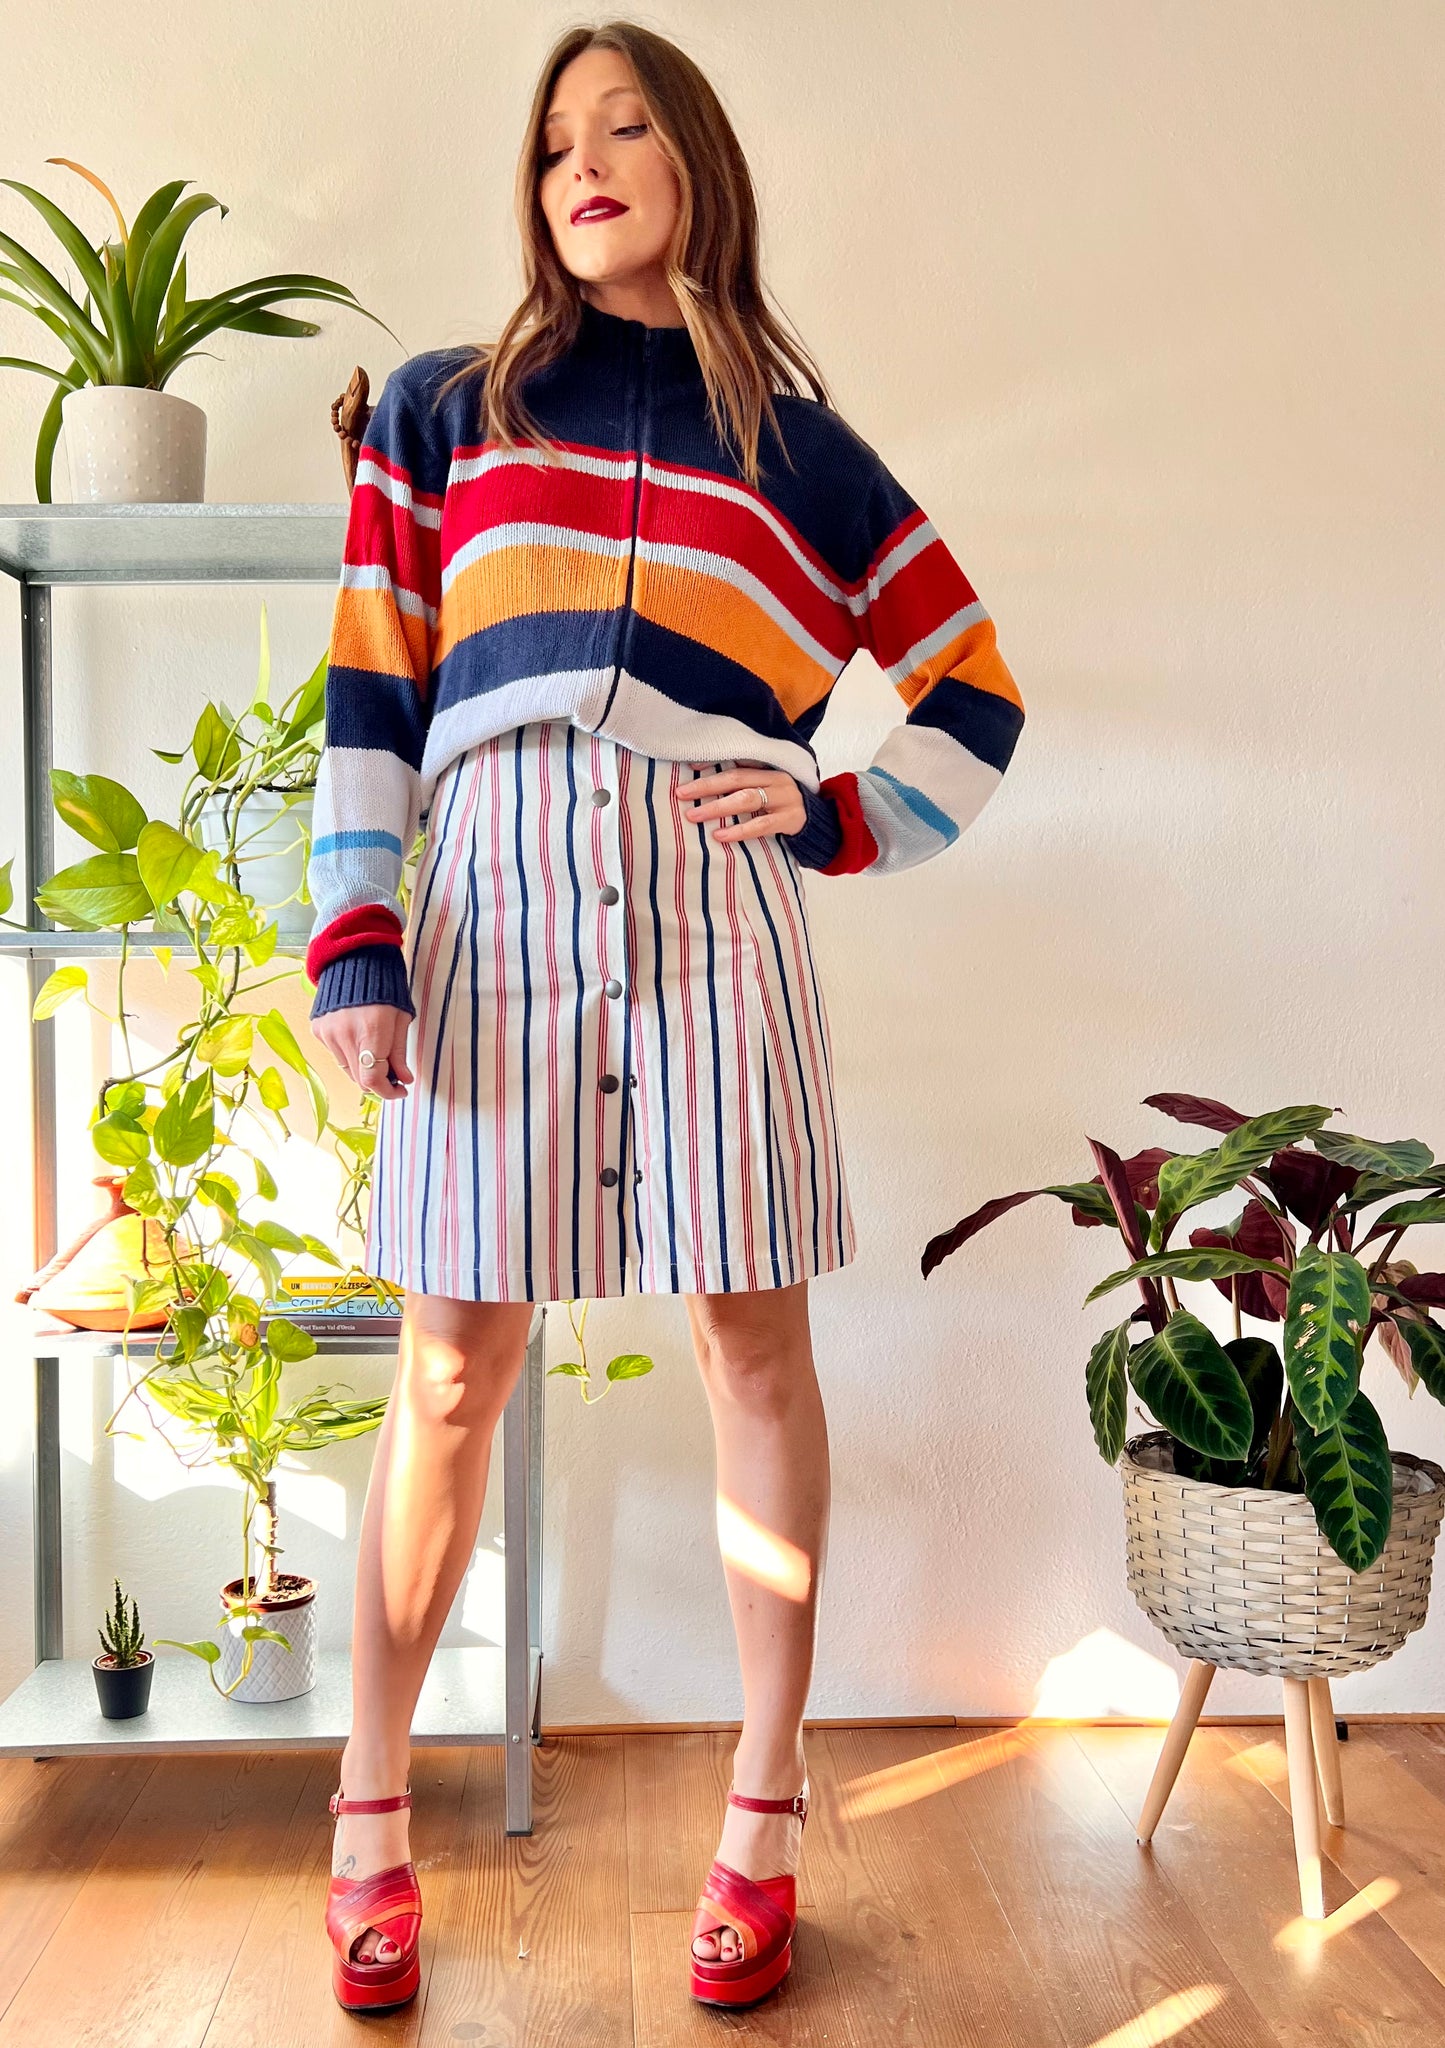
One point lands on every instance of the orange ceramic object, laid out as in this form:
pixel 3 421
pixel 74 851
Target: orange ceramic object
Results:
pixel 85 1284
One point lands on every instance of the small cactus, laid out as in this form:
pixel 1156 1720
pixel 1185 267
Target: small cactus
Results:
pixel 123 1637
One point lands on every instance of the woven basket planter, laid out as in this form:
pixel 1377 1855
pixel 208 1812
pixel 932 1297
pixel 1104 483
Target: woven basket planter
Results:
pixel 1241 1576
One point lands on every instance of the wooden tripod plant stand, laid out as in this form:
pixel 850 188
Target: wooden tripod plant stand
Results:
pixel 1316 1788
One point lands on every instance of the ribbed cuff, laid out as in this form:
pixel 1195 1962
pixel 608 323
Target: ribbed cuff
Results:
pixel 822 834
pixel 367 974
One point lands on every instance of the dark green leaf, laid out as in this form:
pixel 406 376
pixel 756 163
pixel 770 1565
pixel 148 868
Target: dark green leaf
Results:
pixel 1187 1379
pixel 1427 1351
pixel 1106 1383
pixel 1194 1177
pixel 1202 1262
pixel 1350 1482
pixel 1403 1158
pixel 1324 1325
pixel 1262 1370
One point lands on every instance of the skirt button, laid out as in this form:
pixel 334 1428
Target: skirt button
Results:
pixel 601 796
pixel 609 1084
pixel 612 988
pixel 608 1176
pixel 609 893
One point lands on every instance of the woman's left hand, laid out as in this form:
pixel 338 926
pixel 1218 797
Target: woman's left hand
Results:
pixel 784 810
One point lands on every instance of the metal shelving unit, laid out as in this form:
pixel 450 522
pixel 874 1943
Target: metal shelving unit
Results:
pixel 472 1694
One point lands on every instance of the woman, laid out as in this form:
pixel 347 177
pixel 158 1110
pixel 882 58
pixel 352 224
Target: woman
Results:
pixel 600 579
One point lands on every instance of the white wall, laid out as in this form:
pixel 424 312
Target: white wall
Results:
pixel 1143 303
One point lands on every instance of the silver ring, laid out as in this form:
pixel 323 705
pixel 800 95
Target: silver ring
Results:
pixel 762 793
pixel 366 1057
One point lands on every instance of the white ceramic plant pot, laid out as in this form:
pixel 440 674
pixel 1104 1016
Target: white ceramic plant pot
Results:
pixel 272 842
pixel 128 446
pixel 276 1673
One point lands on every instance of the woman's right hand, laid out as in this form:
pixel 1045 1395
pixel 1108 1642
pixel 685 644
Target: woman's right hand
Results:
pixel 378 1028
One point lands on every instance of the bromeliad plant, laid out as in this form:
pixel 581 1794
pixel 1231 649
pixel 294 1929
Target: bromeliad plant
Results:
pixel 137 324
pixel 1246 1412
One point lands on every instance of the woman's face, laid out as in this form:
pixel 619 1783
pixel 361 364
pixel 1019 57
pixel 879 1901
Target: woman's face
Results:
pixel 599 145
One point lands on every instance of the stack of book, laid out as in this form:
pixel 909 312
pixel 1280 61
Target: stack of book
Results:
pixel 331 1305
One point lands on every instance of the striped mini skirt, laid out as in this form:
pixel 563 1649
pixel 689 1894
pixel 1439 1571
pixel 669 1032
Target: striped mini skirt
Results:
pixel 623 1077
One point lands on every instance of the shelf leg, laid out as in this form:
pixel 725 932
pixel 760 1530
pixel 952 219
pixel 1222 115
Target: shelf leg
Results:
pixel 49 1609
pixel 516 1537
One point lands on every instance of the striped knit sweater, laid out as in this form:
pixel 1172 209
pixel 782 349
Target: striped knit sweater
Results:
pixel 643 590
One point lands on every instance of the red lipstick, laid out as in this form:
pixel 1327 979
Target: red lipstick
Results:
pixel 598 207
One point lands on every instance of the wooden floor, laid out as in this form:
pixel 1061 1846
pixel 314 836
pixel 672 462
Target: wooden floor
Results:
pixel 959 1887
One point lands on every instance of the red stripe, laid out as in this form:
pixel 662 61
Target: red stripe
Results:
pixel 914 604
pixel 858 849
pixel 554 988
pixel 423 999
pixel 679 825
pixel 645 1250
pixel 499 969
pixel 368 924
pixel 382 534
pixel 745 1181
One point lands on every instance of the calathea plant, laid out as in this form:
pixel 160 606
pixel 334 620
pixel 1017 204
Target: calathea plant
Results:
pixel 1302 1253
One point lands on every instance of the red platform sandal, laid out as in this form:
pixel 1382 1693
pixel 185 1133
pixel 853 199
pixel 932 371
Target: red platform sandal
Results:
pixel 764 1910
pixel 390 1901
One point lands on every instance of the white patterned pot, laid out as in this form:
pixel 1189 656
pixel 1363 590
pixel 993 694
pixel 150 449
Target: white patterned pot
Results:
pixel 129 446
pixel 276 1673
pixel 273 840
pixel 1242 1576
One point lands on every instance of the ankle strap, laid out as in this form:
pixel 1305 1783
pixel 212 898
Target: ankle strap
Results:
pixel 339 1805
pixel 799 1804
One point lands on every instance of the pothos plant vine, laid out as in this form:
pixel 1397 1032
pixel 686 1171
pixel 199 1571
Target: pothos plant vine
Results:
pixel 1245 1413
pixel 183 1126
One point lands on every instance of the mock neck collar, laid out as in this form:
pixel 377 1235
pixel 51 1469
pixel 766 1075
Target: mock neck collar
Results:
pixel 607 338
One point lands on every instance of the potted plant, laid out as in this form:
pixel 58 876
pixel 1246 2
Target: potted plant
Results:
pixel 1269 1525
pixel 124 1670
pixel 182 1128
pixel 252 791
pixel 128 439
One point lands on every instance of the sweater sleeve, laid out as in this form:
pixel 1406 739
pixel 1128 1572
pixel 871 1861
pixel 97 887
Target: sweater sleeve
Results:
pixel 368 782
pixel 920 618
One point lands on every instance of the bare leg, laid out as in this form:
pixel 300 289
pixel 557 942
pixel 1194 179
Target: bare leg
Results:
pixel 458 1363
pixel 755 1353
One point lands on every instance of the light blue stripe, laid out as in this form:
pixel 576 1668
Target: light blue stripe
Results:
pixel 333 842
pixel 921 806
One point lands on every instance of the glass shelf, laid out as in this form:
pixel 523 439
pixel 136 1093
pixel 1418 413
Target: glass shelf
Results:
pixel 56 1712
pixel 162 543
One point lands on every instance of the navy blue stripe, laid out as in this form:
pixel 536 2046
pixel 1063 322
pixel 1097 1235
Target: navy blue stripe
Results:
pixel 987 724
pixel 475 901
pixel 365 708
pixel 768 1155
pixel 526 1007
pixel 805 1090
pixel 577 1019
pixel 702 827
pixel 661 1015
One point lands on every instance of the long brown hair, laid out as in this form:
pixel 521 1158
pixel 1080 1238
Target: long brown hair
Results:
pixel 743 349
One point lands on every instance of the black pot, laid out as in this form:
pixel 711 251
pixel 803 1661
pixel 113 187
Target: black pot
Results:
pixel 124 1689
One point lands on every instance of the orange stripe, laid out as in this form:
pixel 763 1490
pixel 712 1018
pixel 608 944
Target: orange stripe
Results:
pixel 511 582
pixel 973 658
pixel 710 611
pixel 369 632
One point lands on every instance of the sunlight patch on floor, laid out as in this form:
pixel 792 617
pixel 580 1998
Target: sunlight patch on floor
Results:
pixel 1162 2022
pixel 1304 1935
